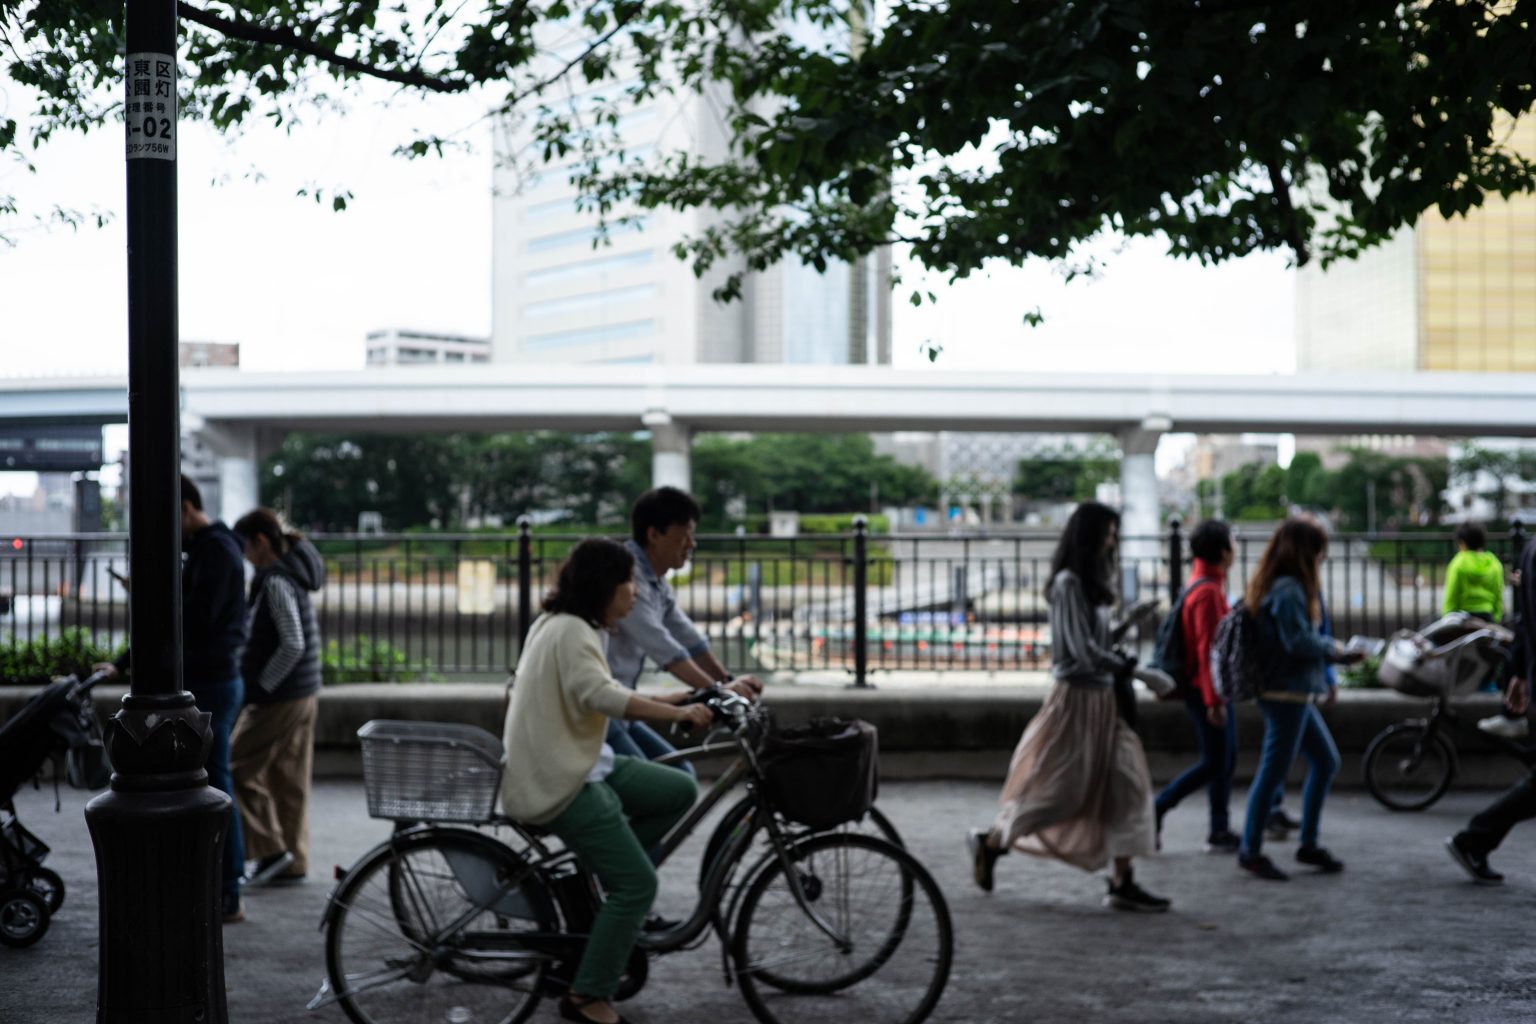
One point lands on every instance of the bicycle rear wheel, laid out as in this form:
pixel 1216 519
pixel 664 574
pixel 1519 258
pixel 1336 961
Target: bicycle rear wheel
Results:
pixel 420 931
pixel 1408 768
pixel 895 962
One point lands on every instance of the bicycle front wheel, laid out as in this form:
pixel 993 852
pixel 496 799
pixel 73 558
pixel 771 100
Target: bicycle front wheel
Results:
pixel 1408 768
pixel 887 958
pixel 425 929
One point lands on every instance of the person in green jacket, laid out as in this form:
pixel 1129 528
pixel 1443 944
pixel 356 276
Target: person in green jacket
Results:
pixel 1474 583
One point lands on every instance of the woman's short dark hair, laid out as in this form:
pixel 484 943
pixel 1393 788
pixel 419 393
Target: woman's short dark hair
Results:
pixel 661 509
pixel 588 579
pixel 1472 535
pixel 1211 540
pixel 1081 549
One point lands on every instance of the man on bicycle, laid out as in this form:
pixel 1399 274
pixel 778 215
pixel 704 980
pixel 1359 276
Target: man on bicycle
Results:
pixel 1471 846
pixel 663 521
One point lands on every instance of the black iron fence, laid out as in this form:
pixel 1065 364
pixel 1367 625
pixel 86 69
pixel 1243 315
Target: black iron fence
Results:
pixel 424 606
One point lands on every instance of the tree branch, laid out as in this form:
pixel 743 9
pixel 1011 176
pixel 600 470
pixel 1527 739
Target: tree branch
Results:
pixel 294 41
pixel 1282 193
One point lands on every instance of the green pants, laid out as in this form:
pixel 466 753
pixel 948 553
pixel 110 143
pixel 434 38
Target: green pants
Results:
pixel 609 827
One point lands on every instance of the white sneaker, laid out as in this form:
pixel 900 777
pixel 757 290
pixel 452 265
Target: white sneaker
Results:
pixel 1509 728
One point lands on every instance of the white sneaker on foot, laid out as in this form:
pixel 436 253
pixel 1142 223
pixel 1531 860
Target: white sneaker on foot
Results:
pixel 1509 728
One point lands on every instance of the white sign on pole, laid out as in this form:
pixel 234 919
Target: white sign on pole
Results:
pixel 149 108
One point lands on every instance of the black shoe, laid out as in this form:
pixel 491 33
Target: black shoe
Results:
pixel 1279 825
pixel 657 923
pixel 1319 857
pixel 1130 896
pixel 265 870
pixel 983 857
pixel 1263 867
pixel 1474 864
pixel 1224 841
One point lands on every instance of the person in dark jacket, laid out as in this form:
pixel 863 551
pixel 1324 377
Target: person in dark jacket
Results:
pixel 213 614
pixel 272 750
pixel 1471 846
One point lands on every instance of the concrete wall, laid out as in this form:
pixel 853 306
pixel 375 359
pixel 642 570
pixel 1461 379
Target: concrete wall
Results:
pixel 965 732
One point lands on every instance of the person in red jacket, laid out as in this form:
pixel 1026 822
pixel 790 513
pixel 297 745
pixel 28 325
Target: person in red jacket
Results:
pixel 1205 602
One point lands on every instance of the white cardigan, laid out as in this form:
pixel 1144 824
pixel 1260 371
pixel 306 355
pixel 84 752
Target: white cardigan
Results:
pixel 562 700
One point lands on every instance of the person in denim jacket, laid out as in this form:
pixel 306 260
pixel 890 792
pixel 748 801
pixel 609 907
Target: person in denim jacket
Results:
pixel 1286 593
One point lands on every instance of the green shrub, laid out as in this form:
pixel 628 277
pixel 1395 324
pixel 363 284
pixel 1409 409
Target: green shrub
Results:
pixel 71 651
pixel 1362 676
pixel 366 660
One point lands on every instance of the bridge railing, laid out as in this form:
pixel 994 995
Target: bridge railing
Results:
pixel 422 606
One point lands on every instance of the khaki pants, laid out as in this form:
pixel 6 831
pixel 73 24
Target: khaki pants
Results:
pixel 271 754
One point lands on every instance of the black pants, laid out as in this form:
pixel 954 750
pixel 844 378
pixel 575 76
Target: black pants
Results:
pixel 1485 832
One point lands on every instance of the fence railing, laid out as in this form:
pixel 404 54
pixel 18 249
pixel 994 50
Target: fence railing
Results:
pixel 441 605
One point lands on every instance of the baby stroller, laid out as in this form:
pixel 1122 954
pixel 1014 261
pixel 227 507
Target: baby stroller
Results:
pixel 1410 765
pixel 58 724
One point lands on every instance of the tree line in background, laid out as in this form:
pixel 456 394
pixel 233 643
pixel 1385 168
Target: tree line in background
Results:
pixel 323 481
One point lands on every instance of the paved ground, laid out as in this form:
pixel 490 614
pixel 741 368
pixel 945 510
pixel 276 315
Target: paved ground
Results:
pixel 1400 936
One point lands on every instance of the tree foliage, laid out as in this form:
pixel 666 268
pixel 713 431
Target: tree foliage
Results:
pixel 1370 490
pixel 971 129
pixel 1494 473
pixel 1069 474
pixel 323 481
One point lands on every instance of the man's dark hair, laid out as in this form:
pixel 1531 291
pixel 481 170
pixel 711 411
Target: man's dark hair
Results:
pixel 190 494
pixel 590 575
pixel 1472 535
pixel 1211 540
pixel 661 509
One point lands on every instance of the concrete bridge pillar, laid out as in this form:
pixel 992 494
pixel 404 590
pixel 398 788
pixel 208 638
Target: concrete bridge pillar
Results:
pixel 671 450
pixel 240 449
pixel 1140 512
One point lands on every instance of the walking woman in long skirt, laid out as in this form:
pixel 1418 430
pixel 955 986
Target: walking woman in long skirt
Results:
pixel 1078 789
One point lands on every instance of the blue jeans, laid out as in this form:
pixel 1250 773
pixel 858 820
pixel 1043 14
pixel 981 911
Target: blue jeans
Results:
pixel 636 739
pixel 1218 755
pixel 1290 728
pixel 223 701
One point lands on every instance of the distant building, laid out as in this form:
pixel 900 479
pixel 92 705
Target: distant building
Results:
pixel 1446 294
pixel 208 353
pixel 399 348
pixel 560 294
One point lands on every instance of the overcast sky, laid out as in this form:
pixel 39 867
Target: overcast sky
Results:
pixel 299 286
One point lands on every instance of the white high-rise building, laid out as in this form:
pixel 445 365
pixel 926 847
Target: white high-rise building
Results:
pixel 557 298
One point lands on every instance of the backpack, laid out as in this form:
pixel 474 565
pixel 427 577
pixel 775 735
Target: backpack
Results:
pixel 1237 665
pixel 1169 651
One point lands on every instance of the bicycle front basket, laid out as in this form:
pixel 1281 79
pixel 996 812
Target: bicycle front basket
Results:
pixel 430 771
pixel 823 774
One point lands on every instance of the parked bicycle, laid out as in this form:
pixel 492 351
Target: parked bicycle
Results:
pixel 1410 765
pixel 442 922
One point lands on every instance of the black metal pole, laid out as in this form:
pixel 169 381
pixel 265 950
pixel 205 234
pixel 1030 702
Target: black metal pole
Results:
pixel 860 601
pixel 1175 560
pixel 159 831
pixel 524 580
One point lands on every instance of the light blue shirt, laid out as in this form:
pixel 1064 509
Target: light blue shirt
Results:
pixel 655 629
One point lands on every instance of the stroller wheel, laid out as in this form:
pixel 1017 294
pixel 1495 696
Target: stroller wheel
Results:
pixel 23 917
pixel 48 885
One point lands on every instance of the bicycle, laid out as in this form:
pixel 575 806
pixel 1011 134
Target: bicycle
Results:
pixel 1410 765
pixel 443 922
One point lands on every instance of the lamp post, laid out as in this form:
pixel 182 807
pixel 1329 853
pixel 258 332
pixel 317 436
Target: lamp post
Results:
pixel 159 830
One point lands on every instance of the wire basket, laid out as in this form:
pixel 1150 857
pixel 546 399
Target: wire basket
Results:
pixel 430 771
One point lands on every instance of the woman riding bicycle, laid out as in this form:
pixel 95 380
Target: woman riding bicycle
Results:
pixel 563 777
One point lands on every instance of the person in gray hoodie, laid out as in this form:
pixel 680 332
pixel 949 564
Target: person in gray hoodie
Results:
pixel 272 749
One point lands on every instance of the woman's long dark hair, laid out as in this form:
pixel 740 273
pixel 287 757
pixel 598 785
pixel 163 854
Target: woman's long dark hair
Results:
pixel 588 578
pixel 1294 551
pixel 1081 549
pixel 263 522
